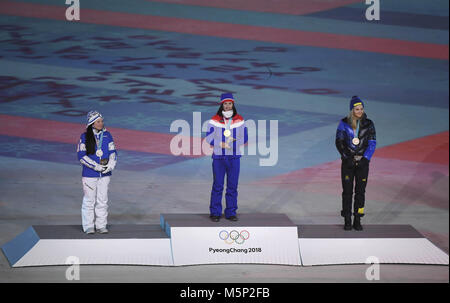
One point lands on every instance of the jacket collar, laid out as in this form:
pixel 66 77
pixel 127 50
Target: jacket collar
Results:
pixel 363 119
pixel 97 132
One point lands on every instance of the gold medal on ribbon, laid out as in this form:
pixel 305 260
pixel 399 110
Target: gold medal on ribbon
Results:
pixel 227 133
pixel 355 141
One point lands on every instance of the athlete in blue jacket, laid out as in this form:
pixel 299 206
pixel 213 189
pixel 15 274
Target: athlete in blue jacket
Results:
pixel 356 142
pixel 98 156
pixel 226 133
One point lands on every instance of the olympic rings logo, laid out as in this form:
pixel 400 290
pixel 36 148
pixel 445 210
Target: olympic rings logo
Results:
pixel 234 236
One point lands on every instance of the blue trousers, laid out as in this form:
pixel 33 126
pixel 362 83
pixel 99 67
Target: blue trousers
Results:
pixel 221 167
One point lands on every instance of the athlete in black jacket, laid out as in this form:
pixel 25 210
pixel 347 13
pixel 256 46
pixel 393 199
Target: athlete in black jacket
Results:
pixel 356 142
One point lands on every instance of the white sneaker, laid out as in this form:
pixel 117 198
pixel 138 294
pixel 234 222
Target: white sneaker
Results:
pixel 90 231
pixel 103 230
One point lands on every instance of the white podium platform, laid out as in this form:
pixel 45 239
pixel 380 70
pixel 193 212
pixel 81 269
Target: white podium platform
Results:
pixel 387 244
pixel 255 238
pixel 57 244
pixel 188 239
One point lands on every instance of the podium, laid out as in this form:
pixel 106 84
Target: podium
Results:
pixel 255 238
pixel 192 239
pixel 42 245
pixel 384 244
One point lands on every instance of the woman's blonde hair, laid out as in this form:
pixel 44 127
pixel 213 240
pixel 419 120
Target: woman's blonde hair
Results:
pixel 352 120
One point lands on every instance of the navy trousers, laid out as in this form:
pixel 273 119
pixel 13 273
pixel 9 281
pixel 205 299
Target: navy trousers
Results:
pixel 228 166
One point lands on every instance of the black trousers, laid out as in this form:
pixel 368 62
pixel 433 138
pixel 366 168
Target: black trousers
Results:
pixel 355 176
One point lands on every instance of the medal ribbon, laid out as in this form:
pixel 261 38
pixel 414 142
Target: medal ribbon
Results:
pixel 99 142
pixel 357 130
pixel 229 124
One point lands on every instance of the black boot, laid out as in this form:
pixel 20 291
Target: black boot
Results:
pixel 232 218
pixel 214 218
pixel 348 223
pixel 357 223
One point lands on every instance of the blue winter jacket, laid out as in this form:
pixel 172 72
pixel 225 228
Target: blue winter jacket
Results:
pixel 215 134
pixel 367 138
pixel 88 161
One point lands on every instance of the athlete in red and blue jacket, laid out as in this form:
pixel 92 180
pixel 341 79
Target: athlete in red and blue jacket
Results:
pixel 226 133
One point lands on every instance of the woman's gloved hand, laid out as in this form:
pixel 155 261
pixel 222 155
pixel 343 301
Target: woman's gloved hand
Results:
pixel 99 167
pixel 111 164
pixel 364 162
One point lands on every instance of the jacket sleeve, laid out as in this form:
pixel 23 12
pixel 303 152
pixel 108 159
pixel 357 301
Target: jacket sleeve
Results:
pixel 210 134
pixel 372 140
pixel 340 142
pixel 245 134
pixel 242 135
pixel 81 147
pixel 112 152
pixel 82 155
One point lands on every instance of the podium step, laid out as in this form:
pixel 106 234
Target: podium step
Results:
pixel 369 231
pixel 255 238
pixel 186 239
pixel 42 245
pixel 124 231
pixel 390 244
pixel 202 220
